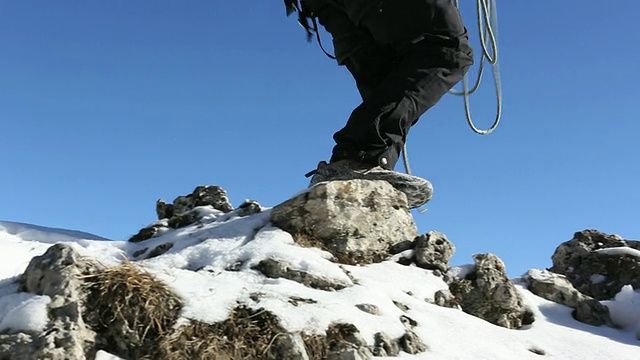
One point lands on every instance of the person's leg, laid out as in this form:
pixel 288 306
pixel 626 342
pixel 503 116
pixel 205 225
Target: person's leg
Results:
pixel 430 41
pixel 354 47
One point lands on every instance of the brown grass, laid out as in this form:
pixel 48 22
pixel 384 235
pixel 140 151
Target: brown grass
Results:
pixel 246 334
pixel 129 310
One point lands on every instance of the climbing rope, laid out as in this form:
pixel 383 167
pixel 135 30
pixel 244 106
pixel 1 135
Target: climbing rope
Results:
pixel 487 29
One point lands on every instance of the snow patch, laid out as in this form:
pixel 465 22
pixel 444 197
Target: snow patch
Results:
pixel 24 312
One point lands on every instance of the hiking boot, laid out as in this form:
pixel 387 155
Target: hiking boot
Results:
pixel 417 190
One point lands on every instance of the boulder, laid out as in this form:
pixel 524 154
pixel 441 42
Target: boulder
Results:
pixel 595 272
pixel 557 288
pixel 56 274
pixel 488 293
pixel 355 220
pixel 433 251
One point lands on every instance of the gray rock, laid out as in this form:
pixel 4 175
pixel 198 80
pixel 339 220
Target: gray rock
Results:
pixel 248 207
pixel 159 250
pixel 596 274
pixel 489 294
pixel 433 251
pixel 350 354
pixel 384 345
pixel 278 269
pixel 346 343
pixel 401 246
pixel 149 232
pixel 369 308
pixel 356 220
pixel 445 298
pixel 164 210
pixel 203 195
pixel 557 288
pixel 57 274
pixel 411 343
pixel 183 211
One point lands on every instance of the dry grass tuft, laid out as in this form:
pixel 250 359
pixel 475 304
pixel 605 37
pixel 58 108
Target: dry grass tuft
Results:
pixel 246 334
pixel 129 309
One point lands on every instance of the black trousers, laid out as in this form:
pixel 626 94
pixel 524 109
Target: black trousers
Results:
pixel 404 56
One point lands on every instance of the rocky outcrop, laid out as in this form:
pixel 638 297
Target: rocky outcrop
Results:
pixel 594 272
pixel 56 274
pixel 214 196
pixel 357 220
pixel 557 288
pixel 129 313
pixel 189 209
pixel 488 293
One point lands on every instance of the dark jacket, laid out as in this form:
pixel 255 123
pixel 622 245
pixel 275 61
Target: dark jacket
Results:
pixel 355 9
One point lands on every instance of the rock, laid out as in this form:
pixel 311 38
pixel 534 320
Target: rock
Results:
pixel 150 232
pixel 203 195
pixel 277 269
pixel 489 294
pixel 385 345
pixel 597 274
pixel 558 289
pixel 346 343
pixel 433 251
pixel 184 212
pixel 248 207
pixel 57 274
pixel 445 298
pixel 369 308
pixel 159 250
pixel 357 220
pixel 411 343
pixel 164 210
pixel 401 247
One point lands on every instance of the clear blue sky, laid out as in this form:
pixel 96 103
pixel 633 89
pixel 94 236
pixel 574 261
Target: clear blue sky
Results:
pixel 106 106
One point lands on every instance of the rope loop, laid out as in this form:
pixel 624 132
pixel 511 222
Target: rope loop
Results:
pixel 487 29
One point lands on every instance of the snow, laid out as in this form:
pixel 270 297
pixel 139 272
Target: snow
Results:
pixel 211 266
pixel 23 312
pixel 620 251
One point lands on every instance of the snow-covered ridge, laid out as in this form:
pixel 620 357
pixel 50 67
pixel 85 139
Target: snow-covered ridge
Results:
pixel 212 265
pixel 44 234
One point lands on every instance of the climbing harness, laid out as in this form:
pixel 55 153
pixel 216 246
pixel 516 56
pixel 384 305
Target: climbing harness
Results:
pixel 487 29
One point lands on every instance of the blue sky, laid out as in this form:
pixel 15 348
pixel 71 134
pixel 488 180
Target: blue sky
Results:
pixel 106 106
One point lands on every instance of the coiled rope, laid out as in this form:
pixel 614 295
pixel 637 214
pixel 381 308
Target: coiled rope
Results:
pixel 488 30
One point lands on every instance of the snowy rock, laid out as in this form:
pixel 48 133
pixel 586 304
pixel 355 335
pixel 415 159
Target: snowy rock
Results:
pixel 248 207
pixel 357 220
pixel 411 343
pixel 489 294
pixel 346 343
pixel 557 288
pixel 433 251
pixel 369 308
pixel 56 274
pixel 202 195
pixel 582 260
pixel 278 269
pixel 385 345
pixel 184 210
pixel 445 298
